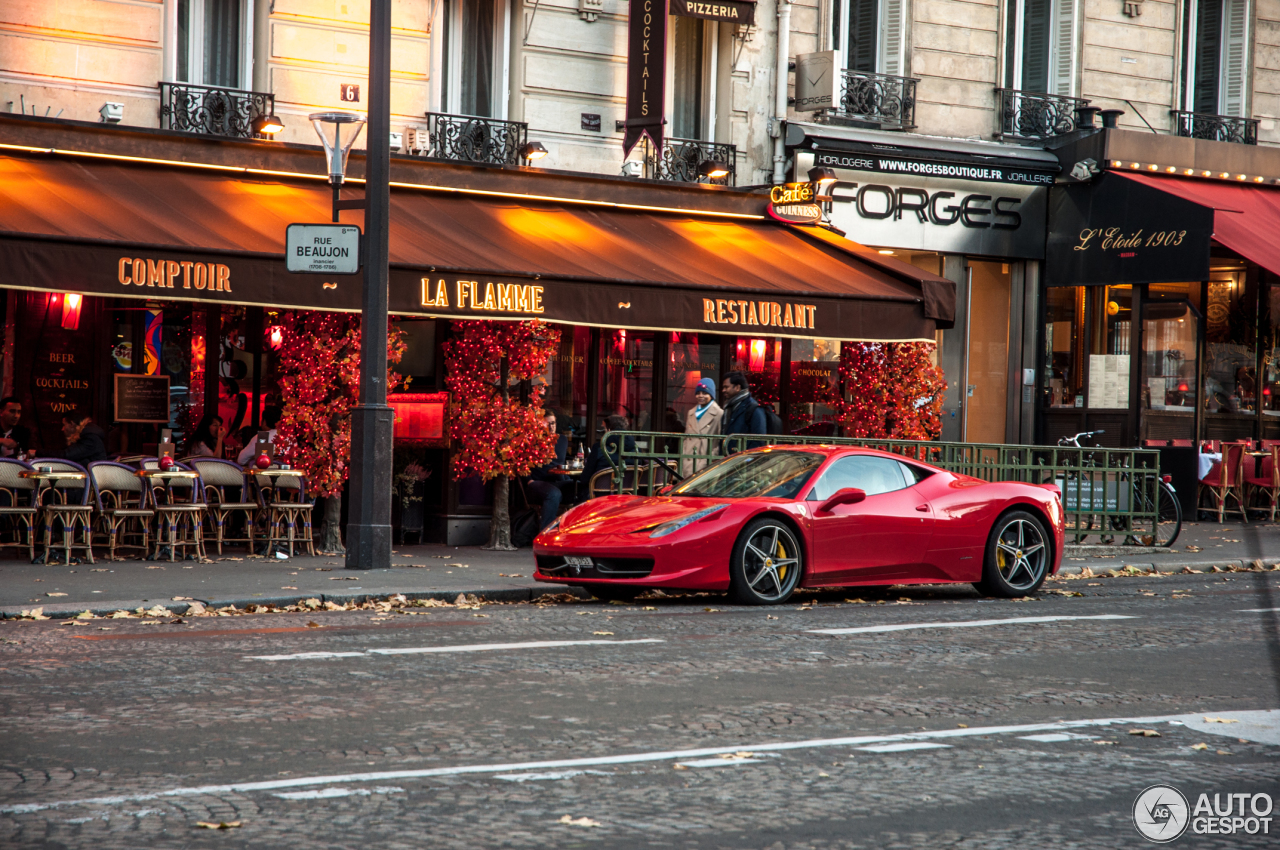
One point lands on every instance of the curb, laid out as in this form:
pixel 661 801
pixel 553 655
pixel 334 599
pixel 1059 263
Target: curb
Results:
pixel 1229 563
pixel 509 594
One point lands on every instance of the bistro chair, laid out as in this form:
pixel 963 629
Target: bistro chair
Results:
pixel 21 504
pixel 1182 444
pixel 179 511
pixel 70 507
pixel 1155 444
pixel 219 477
pixel 1267 481
pixel 1223 483
pixel 122 501
pixel 284 497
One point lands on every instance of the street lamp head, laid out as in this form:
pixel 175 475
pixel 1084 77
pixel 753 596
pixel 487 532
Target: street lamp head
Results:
pixel 823 177
pixel 337 149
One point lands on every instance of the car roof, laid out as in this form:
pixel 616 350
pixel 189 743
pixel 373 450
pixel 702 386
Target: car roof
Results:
pixel 831 449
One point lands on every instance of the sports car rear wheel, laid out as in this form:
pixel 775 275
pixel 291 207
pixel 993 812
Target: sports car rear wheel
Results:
pixel 766 564
pixel 1017 556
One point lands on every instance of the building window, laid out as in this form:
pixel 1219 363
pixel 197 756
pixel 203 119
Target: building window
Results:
pixel 1217 42
pixel 689 77
pixel 869 35
pixel 211 42
pixel 475 50
pixel 1040 40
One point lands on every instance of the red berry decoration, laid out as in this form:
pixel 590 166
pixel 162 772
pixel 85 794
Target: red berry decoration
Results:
pixel 166 463
pixel 263 461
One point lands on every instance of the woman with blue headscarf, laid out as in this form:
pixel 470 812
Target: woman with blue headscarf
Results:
pixel 703 418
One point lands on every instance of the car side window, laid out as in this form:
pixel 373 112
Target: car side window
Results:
pixel 875 475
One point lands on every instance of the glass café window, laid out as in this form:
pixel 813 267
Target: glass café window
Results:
pixel 815 372
pixel 565 381
pixel 759 359
pixel 1271 352
pixel 1093 320
pixel 692 357
pixel 626 377
pixel 1111 316
pixel 1170 333
pixel 1064 333
pixel 1230 362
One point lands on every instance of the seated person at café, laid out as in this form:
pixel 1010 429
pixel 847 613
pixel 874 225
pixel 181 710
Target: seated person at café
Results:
pixel 271 415
pixel 207 439
pixel 14 438
pixel 600 459
pixel 86 442
pixel 545 486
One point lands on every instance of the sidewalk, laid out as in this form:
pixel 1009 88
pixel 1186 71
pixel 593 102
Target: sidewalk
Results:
pixel 443 572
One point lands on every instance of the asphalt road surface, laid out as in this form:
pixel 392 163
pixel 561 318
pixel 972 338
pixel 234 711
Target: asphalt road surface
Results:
pixel 681 722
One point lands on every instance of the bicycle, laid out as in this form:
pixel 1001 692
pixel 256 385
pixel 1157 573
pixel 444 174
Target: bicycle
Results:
pixel 1167 508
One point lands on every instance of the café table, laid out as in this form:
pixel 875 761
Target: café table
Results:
pixel 47 481
pixel 174 513
pixel 284 514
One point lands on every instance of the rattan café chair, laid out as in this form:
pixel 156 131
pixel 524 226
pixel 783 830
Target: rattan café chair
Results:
pixel 19 495
pixel 69 506
pixel 219 477
pixel 123 505
pixel 180 508
pixel 285 497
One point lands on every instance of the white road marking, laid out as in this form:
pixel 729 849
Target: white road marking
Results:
pixel 1055 737
pixel 964 624
pixel 329 793
pixel 469 647
pixel 1258 610
pixel 1266 723
pixel 902 748
pixel 559 774
pixel 718 762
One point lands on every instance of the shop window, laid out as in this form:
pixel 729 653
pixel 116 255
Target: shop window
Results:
pixel 869 35
pixel 689 77
pixel 691 358
pixel 1170 333
pixel 1063 343
pixel 1217 45
pixel 759 359
pixel 1271 352
pixel 419 359
pixel 815 375
pixel 1111 310
pixel 988 361
pixel 1230 328
pixel 626 378
pixel 210 43
pixel 1040 49
pixel 564 382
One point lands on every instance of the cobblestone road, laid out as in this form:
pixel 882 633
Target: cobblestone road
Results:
pixel 123 735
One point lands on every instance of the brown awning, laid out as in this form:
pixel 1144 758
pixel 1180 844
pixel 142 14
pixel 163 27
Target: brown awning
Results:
pixel 110 227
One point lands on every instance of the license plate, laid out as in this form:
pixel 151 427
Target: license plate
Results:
pixel 575 561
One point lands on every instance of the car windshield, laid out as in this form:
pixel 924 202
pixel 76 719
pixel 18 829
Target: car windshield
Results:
pixel 774 474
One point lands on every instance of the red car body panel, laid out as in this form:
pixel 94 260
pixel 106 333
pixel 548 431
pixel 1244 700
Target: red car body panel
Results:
pixel 933 531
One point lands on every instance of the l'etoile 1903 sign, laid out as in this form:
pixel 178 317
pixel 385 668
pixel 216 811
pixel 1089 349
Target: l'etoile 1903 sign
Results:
pixel 937 209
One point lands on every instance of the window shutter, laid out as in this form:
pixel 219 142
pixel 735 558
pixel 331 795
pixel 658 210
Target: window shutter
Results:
pixel 1235 46
pixel 891 38
pixel 1036 44
pixel 1208 52
pixel 862 36
pixel 1063 48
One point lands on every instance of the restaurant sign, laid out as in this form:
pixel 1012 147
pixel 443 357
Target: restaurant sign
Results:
pixel 1113 230
pixel 794 203
pixel 730 11
pixel 322 248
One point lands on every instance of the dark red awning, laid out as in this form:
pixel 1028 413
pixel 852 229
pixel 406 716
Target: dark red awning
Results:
pixel 1246 218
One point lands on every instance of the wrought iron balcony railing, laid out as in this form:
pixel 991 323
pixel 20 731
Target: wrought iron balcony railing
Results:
pixel 881 99
pixel 681 161
pixel 1033 115
pixel 1219 128
pixel 217 111
pixel 469 138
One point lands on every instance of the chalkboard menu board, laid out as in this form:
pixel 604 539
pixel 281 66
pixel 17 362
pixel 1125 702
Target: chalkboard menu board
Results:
pixel 142 398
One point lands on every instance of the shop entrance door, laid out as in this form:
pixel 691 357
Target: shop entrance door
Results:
pixel 987 364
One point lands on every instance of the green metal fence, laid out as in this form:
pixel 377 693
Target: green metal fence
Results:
pixel 1106 493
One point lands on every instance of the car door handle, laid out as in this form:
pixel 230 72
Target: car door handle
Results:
pixel 924 509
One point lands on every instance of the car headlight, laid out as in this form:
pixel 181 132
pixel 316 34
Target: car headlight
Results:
pixel 677 524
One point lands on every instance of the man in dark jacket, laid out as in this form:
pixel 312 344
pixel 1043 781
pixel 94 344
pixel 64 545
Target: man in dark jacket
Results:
pixel 86 442
pixel 742 413
pixel 14 438
pixel 543 485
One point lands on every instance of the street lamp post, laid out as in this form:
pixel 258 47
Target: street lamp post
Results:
pixel 369 506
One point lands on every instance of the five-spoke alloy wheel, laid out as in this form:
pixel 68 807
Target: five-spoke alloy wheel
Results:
pixel 1018 556
pixel 766 563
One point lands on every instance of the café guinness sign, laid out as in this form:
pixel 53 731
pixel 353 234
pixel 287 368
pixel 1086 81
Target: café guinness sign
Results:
pixel 794 203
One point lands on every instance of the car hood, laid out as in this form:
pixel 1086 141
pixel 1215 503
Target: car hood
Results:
pixel 625 514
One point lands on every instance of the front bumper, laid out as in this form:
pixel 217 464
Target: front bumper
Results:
pixel 701 563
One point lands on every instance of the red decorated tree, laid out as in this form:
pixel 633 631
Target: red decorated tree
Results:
pixel 891 391
pixel 495 435
pixel 319 385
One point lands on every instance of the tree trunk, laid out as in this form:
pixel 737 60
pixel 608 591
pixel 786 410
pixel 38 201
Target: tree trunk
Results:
pixel 331 527
pixel 500 522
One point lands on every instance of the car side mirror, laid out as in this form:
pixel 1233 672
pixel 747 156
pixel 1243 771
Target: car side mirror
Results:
pixel 845 496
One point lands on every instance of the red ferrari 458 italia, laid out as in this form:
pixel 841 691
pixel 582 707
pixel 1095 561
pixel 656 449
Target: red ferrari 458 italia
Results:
pixel 764 522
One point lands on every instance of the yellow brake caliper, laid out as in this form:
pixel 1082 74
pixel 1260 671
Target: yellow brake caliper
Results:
pixel 781 552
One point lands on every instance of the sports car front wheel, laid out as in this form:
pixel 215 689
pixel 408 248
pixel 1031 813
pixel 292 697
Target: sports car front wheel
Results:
pixel 1017 556
pixel 766 564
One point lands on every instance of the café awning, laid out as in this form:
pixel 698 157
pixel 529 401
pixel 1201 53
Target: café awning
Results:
pixel 107 226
